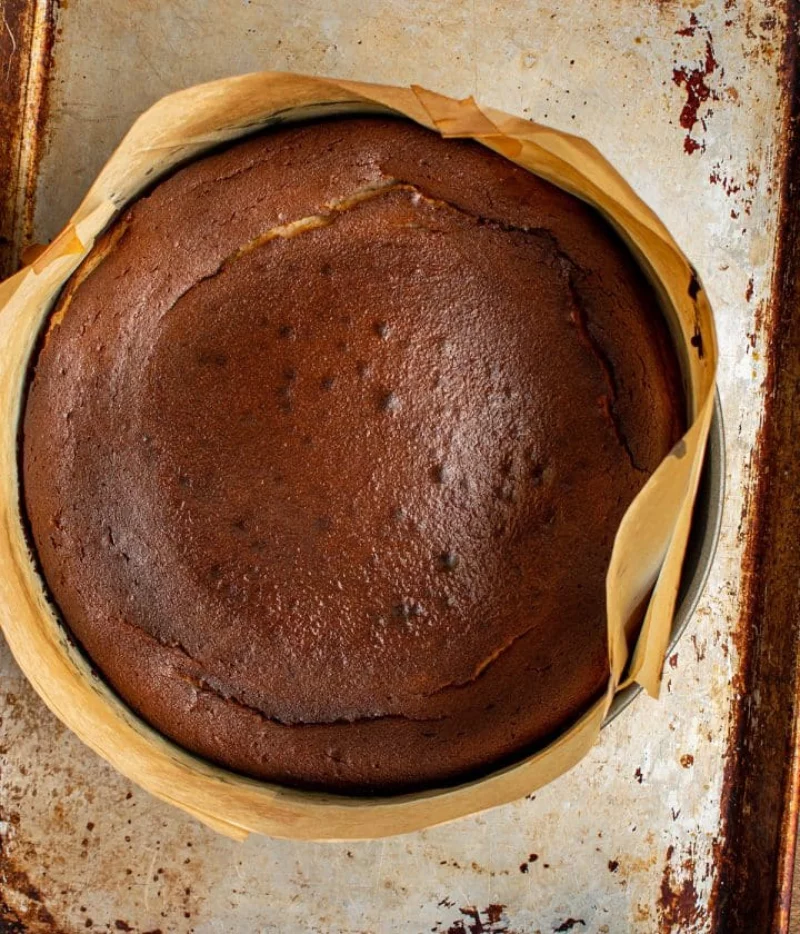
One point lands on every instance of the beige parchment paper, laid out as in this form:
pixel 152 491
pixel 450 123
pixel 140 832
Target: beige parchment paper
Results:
pixel 648 549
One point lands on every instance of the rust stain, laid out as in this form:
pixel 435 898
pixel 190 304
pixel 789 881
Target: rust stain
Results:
pixel 22 905
pixel 759 317
pixel 15 34
pixel 678 903
pixel 699 650
pixel 690 29
pixel 762 776
pixel 23 100
pixel 745 189
pixel 694 82
pixel 31 900
pixel 569 924
pixel 761 32
pixel 728 185
pixel 489 920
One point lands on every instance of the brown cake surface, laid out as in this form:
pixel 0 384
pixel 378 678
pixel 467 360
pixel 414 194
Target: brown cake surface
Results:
pixel 327 446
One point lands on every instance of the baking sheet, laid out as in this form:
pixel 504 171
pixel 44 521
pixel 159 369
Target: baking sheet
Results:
pixel 690 112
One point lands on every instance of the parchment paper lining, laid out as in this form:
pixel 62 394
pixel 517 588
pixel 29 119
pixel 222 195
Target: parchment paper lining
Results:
pixel 649 546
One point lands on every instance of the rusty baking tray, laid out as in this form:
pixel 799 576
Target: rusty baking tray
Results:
pixel 683 818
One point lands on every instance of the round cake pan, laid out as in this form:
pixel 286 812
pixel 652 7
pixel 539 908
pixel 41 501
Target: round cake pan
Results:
pixel 700 551
pixel 225 800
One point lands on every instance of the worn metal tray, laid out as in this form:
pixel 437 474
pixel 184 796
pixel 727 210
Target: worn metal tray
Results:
pixel 683 816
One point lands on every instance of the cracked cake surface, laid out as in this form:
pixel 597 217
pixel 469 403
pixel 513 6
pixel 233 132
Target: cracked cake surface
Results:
pixel 325 450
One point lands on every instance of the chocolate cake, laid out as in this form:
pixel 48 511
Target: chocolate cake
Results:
pixel 326 447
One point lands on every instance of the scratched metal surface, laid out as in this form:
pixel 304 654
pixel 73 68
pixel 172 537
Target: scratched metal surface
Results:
pixel 686 100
